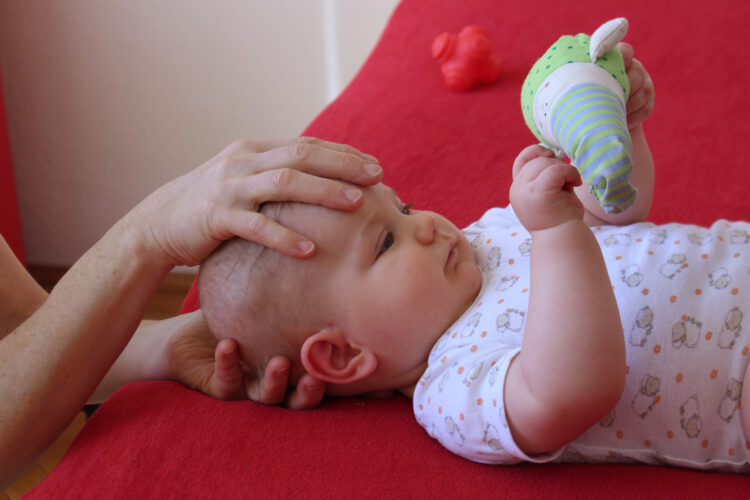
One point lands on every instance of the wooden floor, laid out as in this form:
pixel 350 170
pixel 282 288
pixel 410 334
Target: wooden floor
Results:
pixel 166 303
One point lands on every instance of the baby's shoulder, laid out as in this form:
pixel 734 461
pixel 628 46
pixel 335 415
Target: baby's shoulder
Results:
pixel 496 217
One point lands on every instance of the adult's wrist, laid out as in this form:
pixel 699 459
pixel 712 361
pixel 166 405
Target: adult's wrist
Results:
pixel 137 241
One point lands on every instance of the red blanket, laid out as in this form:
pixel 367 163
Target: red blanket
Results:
pixel 450 152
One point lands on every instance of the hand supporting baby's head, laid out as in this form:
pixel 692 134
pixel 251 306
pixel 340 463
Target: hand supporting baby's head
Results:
pixel 361 314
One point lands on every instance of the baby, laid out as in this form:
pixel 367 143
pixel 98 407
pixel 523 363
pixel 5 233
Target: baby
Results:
pixel 529 336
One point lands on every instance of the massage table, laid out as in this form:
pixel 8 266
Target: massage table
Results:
pixel 451 152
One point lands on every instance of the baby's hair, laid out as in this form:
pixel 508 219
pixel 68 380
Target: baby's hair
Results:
pixel 259 297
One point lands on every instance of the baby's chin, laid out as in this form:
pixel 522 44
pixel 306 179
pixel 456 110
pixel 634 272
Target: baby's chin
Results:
pixel 473 278
pixel 469 270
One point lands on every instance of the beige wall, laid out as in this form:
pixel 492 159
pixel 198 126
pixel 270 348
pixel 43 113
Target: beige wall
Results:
pixel 107 100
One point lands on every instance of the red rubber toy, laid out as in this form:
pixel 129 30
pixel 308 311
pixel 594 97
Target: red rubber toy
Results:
pixel 466 59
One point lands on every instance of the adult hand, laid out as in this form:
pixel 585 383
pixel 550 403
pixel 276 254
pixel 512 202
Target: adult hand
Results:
pixel 640 103
pixel 187 218
pixel 542 191
pixel 196 359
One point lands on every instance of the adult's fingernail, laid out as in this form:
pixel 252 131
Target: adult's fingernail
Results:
pixel 306 246
pixel 370 157
pixel 352 194
pixel 373 169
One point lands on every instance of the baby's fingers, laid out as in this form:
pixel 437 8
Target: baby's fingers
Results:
pixel 641 101
pixel 560 176
pixel 531 171
pixel 529 153
pixel 637 77
pixel 627 54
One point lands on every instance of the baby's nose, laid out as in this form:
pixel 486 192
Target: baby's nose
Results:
pixel 426 228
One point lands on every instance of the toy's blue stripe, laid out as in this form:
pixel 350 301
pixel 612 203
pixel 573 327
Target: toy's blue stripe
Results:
pixel 594 149
pixel 581 133
pixel 593 170
pixel 594 92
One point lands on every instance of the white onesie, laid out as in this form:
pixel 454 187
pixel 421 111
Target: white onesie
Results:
pixel 682 292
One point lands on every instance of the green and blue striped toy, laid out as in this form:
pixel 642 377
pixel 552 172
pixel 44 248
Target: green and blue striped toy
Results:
pixel 573 100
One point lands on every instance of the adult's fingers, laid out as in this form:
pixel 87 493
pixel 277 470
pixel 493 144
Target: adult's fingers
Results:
pixel 266 145
pixel 254 226
pixel 227 379
pixel 308 394
pixel 271 389
pixel 321 160
pixel 288 184
pixel 260 146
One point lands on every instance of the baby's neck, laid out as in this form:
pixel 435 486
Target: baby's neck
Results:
pixel 408 391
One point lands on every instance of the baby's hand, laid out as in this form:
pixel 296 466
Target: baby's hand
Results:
pixel 542 191
pixel 640 103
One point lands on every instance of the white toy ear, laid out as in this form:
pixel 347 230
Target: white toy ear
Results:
pixel 607 36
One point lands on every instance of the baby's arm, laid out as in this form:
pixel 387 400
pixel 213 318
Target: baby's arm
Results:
pixel 571 368
pixel 639 106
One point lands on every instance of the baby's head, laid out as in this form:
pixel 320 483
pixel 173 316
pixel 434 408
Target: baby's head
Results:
pixel 363 313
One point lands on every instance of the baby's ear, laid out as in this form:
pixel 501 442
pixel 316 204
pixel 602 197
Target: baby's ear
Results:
pixel 328 356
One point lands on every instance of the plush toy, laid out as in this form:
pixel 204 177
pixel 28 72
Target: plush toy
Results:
pixel 573 100
pixel 466 59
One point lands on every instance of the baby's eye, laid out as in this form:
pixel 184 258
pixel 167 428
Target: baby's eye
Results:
pixel 387 243
pixel 407 209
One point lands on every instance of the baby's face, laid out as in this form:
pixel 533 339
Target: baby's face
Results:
pixel 397 277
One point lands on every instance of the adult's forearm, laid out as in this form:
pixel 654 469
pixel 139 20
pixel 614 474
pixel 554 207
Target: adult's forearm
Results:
pixel 20 295
pixel 142 359
pixel 54 360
